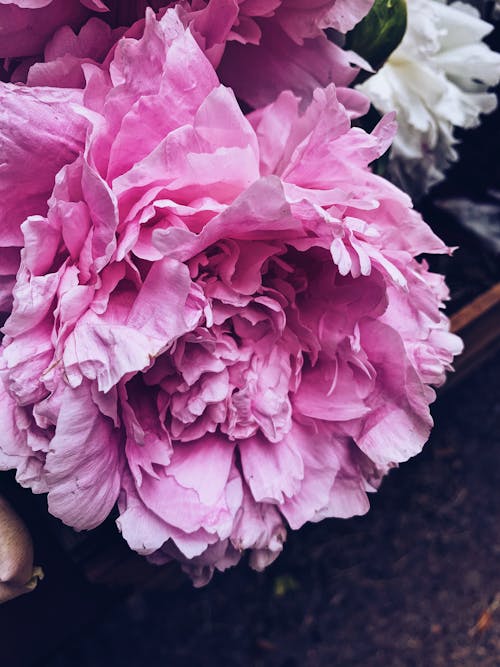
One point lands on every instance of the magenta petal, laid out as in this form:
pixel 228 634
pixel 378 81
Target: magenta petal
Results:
pixel 14 451
pixel 83 464
pixel 26 26
pixel 258 74
pixel 160 308
pixel 318 450
pixel 181 507
pixel 296 16
pixel 27 357
pixel 273 471
pixel 203 466
pixel 323 393
pixel 260 528
pixel 400 422
pixel 33 152
pixel 144 531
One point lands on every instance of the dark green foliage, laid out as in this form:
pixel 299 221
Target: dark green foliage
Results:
pixel 380 32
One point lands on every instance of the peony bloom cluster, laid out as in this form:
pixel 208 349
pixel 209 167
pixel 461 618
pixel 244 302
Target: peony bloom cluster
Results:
pixel 298 57
pixel 437 79
pixel 286 34
pixel 218 323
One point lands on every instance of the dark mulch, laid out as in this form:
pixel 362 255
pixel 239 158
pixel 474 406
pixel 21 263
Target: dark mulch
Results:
pixel 403 586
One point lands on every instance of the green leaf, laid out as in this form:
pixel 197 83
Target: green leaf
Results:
pixel 380 32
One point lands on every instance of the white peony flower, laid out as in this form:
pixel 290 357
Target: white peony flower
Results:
pixel 436 79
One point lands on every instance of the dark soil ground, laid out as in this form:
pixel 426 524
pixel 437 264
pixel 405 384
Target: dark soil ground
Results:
pixel 415 583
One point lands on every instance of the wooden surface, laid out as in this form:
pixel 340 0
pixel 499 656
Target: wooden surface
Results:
pixel 478 324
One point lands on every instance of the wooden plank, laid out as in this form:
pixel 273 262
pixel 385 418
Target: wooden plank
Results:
pixel 483 305
pixel 478 324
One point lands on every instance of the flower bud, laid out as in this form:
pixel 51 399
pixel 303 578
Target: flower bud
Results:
pixel 17 574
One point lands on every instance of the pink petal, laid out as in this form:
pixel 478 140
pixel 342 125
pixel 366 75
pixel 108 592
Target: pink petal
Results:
pixel 273 471
pixel 83 464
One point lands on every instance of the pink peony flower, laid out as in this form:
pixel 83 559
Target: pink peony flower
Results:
pixel 215 22
pixel 282 40
pixel 40 134
pixel 273 44
pixel 27 25
pixel 219 323
pixel 259 73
